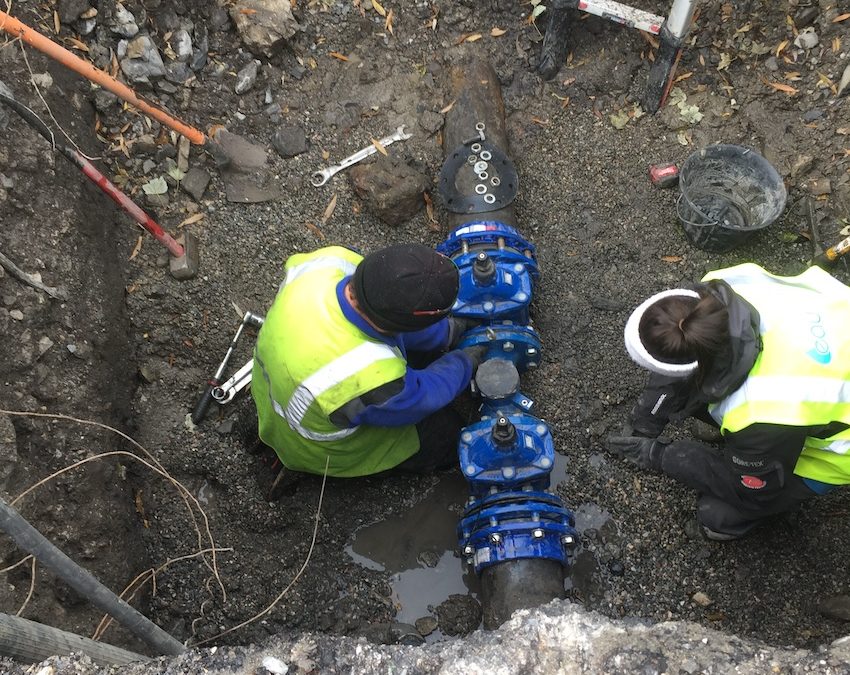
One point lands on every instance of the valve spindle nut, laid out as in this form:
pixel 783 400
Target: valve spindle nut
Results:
pixel 568 540
pixel 538 533
pixel 496 538
pixel 468 550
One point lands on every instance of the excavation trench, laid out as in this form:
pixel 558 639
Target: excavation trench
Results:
pixel 132 348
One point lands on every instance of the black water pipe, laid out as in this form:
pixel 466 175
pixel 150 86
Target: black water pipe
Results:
pixel 30 642
pixel 32 541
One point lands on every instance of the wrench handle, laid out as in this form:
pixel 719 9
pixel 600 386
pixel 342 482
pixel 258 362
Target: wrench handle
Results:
pixel 203 404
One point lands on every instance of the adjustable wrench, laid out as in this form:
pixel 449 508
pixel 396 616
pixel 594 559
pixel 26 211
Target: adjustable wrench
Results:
pixel 319 178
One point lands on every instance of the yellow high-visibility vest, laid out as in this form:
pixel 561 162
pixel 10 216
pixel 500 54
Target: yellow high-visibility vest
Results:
pixel 802 375
pixel 309 361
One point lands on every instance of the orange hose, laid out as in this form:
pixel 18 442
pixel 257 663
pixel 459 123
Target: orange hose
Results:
pixel 45 45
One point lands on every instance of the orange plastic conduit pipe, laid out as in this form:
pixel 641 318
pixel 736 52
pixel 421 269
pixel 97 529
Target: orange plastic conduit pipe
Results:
pixel 15 28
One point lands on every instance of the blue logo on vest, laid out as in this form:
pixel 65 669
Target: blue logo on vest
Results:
pixel 820 352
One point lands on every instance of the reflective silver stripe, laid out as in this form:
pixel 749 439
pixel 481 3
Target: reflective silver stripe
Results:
pixel 345 266
pixel 323 380
pixel 785 389
pixel 839 446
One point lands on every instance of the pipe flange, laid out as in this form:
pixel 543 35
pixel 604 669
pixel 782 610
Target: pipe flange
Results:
pixel 458 183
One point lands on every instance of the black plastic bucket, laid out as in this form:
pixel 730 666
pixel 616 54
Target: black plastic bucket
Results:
pixel 728 192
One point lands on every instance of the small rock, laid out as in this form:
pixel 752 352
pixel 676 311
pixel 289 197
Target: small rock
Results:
pixel 772 64
pixel 71 10
pixel 819 186
pixel 219 20
pixel 166 87
pixel 148 373
pixel 391 188
pixel 836 607
pixel 195 182
pixel 431 121
pixel 104 100
pixel 4 111
pixel 225 427
pixel 123 22
pixel 343 116
pixel 157 201
pixel 429 558
pixel 81 350
pixel 202 48
pixel 844 84
pixel 246 77
pixel 426 625
pixel 17 315
pixel 142 60
pixel 181 44
pixel 807 39
pixel 459 614
pixel 801 166
pixel 616 568
pixel 264 25
pixel 806 16
pixel 289 141
pixel 8 450
pixel 178 72
pixel 701 599
pixel 44 344
pixel 87 26
pixel 42 80
pixel 812 115
pixel 148 165
pixel 145 144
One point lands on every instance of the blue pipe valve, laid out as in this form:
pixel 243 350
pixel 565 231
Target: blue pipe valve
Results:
pixel 508 455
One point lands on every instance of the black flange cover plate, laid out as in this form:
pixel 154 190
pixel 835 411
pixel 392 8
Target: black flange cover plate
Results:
pixel 458 179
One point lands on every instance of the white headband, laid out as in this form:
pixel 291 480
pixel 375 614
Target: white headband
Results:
pixel 639 353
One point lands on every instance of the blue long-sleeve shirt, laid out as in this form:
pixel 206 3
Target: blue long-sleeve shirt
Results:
pixel 422 391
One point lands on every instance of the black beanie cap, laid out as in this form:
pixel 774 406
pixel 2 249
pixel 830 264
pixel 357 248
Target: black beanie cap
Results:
pixel 405 287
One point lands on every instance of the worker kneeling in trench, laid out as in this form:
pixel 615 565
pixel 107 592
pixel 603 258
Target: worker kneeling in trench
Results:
pixel 333 381
pixel 764 359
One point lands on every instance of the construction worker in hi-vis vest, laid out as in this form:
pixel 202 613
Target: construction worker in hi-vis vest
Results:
pixel 766 360
pixel 333 382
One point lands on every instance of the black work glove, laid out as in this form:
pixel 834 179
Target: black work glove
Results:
pixel 457 327
pixel 643 452
pixel 476 354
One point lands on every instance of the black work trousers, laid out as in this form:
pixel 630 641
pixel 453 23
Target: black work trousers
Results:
pixel 439 434
pixel 723 505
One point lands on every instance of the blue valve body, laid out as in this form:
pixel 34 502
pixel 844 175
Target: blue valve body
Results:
pixel 509 515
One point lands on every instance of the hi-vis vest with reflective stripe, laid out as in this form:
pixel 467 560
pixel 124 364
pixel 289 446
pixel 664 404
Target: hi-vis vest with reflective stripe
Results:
pixel 802 375
pixel 309 361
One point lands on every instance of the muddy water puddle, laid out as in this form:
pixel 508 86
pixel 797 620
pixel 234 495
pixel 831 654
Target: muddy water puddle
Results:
pixel 417 549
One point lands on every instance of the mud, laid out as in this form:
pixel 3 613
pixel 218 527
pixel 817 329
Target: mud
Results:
pixel 132 347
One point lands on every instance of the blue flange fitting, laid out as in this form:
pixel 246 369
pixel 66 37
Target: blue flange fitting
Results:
pixel 508 455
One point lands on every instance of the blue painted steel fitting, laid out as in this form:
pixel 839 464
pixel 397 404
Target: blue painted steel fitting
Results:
pixel 497 271
pixel 508 455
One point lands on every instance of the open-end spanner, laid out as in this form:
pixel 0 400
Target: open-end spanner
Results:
pixel 319 178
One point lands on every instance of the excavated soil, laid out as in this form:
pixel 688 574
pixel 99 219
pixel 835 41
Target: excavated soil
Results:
pixel 131 347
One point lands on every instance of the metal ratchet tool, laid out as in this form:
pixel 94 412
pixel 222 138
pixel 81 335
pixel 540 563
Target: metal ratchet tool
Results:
pixel 240 379
pixel 319 178
pixel 203 404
